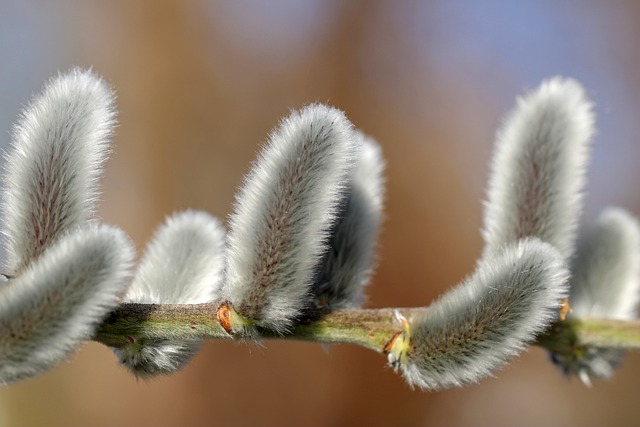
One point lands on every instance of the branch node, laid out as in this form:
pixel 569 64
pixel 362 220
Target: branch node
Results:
pixel 398 346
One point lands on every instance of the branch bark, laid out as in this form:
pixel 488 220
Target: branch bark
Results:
pixel 374 329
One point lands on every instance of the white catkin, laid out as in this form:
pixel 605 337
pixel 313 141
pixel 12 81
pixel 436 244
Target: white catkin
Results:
pixel 183 264
pixel 60 298
pixel 605 279
pixel 283 215
pixel 473 329
pixel 52 170
pixel 346 266
pixel 538 171
pixel 605 283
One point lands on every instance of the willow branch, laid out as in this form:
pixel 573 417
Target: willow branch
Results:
pixel 370 328
pixel 566 336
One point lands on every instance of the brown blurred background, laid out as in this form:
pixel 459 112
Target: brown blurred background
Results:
pixel 201 83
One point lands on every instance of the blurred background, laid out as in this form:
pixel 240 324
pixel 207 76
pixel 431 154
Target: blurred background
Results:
pixel 201 83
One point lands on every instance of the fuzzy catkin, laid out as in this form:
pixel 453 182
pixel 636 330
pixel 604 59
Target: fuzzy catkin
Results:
pixel 51 172
pixel 283 214
pixel 539 165
pixel 183 264
pixel 605 283
pixel 605 279
pixel 346 266
pixel 57 302
pixel 473 329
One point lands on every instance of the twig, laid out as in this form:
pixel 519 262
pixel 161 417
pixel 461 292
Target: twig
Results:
pixel 370 328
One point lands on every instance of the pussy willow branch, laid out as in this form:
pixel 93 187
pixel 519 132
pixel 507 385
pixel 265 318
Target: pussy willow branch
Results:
pixel 370 328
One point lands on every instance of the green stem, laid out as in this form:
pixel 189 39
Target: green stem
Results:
pixel 370 328
pixel 564 337
pixel 156 322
